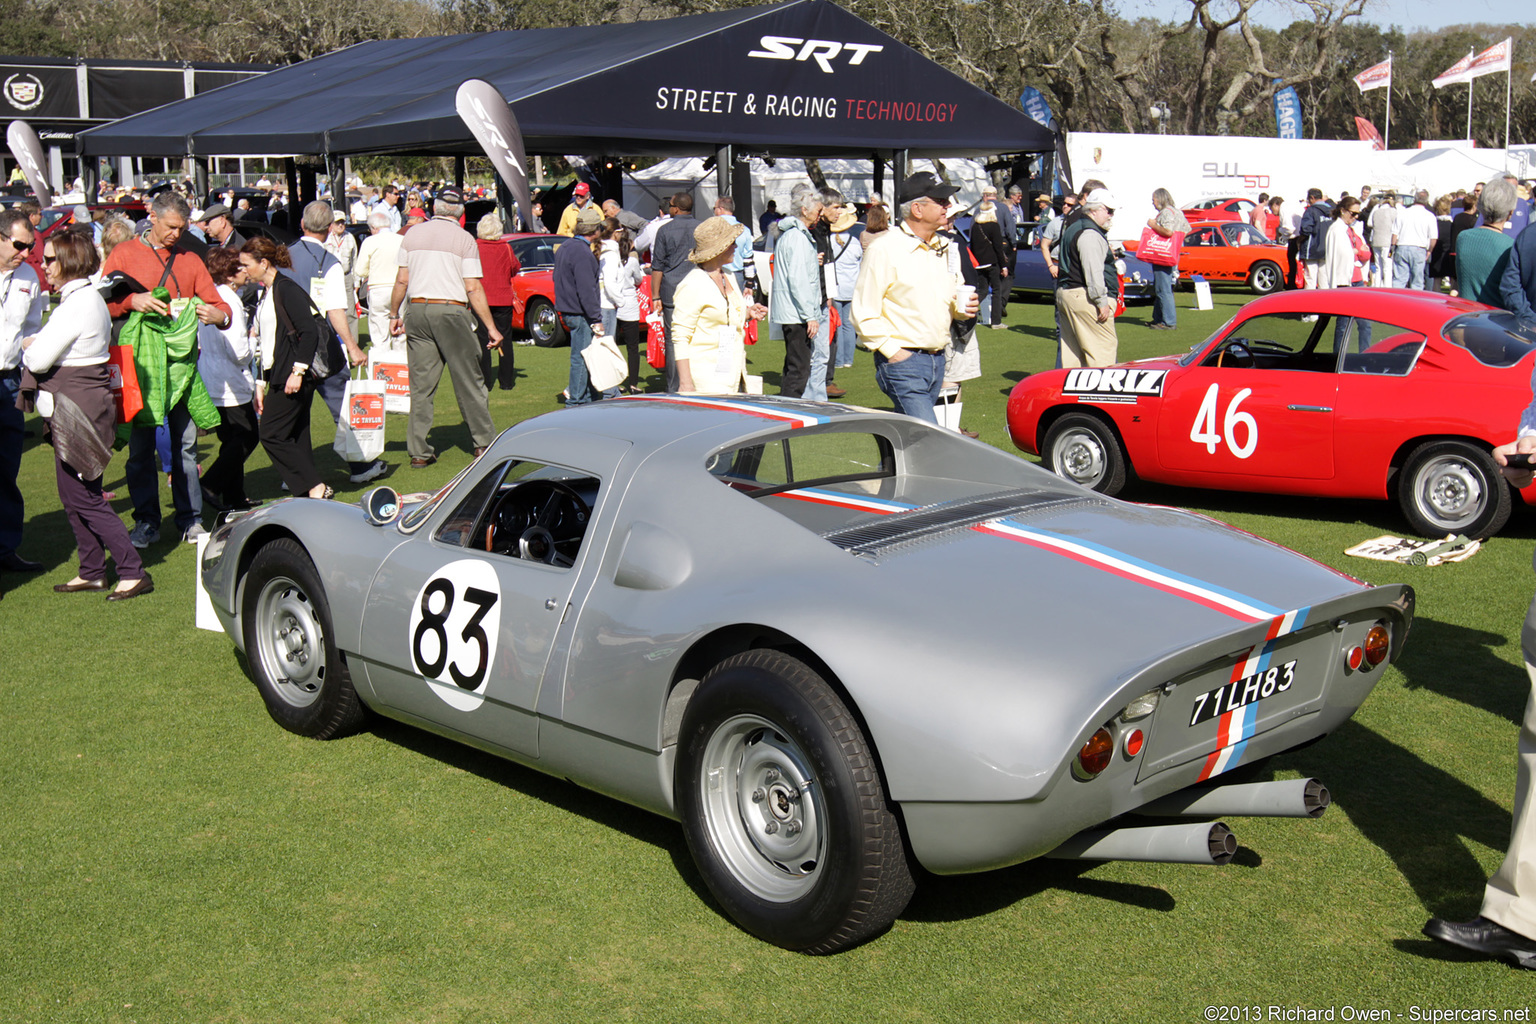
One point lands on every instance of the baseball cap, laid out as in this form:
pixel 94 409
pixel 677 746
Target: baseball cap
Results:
pixel 925 184
pixel 588 221
pixel 582 189
pixel 1101 197
pixel 338 216
pixel 452 194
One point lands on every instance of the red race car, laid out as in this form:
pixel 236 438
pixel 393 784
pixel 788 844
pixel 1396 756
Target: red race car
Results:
pixel 1232 252
pixel 1348 393
pixel 1238 209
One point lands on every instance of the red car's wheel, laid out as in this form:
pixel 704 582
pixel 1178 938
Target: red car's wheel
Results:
pixel 544 325
pixel 1085 450
pixel 1265 277
pixel 1453 487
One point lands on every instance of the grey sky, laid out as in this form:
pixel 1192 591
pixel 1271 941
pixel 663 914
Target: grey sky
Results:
pixel 1407 14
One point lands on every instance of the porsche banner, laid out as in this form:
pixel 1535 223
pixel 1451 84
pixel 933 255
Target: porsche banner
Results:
pixel 29 154
pixel 1377 76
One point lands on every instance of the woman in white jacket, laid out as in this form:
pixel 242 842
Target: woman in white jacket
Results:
pixel 1342 268
pixel 620 277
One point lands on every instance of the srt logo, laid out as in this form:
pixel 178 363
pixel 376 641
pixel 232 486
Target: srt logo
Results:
pixel 820 50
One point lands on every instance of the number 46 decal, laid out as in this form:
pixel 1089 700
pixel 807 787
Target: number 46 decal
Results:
pixel 454 624
pixel 1204 430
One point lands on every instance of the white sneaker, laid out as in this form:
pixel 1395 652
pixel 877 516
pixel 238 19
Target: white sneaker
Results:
pixel 375 470
pixel 143 535
pixel 193 532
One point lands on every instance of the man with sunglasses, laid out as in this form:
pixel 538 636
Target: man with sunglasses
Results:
pixel 22 301
pixel 1087 285
pixel 906 297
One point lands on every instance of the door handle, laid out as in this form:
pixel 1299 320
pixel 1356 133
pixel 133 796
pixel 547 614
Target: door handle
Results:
pixel 1310 408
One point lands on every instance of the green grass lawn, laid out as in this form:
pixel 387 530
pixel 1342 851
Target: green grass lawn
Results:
pixel 169 854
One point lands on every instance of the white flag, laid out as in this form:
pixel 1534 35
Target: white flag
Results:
pixel 1456 73
pixel 1378 76
pixel 1492 60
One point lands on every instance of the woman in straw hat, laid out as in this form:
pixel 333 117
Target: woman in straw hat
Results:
pixel 709 315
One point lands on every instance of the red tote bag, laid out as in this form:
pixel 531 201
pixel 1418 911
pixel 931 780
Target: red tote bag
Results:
pixel 124 382
pixel 1159 251
pixel 655 335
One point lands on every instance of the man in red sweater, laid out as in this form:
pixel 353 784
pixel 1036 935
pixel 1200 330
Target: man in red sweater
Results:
pixel 153 260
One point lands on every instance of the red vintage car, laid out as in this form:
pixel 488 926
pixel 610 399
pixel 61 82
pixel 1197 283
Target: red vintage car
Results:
pixel 1230 251
pixel 1235 208
pixel 1348 393
pixel 533 289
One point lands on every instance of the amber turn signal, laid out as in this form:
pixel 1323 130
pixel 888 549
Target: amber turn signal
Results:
pixel 1377 643
pixel 1095 755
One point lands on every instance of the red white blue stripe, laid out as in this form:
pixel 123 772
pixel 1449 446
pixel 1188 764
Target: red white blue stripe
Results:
pixel 1258 658
pixel 842 499
pixel 794 418
pixel 1233 731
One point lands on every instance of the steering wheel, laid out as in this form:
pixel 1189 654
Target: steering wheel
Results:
pixel 540 521
pixel 1242 356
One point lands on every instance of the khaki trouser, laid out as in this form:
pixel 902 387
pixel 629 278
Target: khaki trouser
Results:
pixel 1084 341
pixel 1510 897
pixel 438 336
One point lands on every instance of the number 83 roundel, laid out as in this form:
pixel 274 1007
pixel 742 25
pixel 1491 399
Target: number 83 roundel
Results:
pixel 454 623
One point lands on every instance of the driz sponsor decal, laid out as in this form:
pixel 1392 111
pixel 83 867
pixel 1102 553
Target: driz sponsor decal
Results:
pixel 1113 385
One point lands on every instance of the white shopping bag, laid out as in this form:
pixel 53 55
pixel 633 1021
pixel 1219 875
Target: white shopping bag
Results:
pixel 387 363
pixel 360 430
pixel 606 367
pixel 1202 293
pixel 947 408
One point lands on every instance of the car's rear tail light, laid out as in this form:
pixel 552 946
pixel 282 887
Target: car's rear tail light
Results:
pixel 1096 753
pixel 1377 643
pixel 1354 658
pixel 1134 741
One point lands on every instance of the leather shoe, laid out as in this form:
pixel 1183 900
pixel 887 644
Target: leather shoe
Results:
pixel 969 433
pixel 833 391
pixel 12 562
pixel 75 588
pixel 1487 937
pixel 480 450
pixel 422 462
pixel 142 585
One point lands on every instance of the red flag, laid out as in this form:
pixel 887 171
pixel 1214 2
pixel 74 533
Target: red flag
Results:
pixel 1377 76
pixel 1368 133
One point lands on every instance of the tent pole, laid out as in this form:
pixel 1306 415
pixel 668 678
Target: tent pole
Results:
pixel 1386 138
pixel 879 182
pixel 458 170
pixel 199 176
pixel 898 174
pixel 338 181
pixel 1469 108
pixel 1509 77
pixel 723 155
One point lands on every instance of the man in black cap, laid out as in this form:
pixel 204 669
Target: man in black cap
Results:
pixel 907 294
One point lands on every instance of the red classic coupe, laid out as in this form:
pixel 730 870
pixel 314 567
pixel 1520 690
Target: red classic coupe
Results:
pixel 1349 393
pixel 1230 252
pixel 533 289
pixel 1228 209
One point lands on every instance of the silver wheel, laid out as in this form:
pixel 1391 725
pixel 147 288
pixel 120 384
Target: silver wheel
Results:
pixel 1079 457
pixel 1453 487
pixel 762 808
pixel 544 325
pixel 290 642
pixel 1264 278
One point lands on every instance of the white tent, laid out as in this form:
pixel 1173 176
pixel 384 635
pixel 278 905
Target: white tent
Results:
pixel 855 179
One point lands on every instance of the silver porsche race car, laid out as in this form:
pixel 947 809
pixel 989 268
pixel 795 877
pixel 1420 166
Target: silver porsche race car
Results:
pixel 831 642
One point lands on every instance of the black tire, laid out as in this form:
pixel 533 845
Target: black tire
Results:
pixel 290 645
pixel 784 809
pixel 543 324
pixel 1084 449
pixel 1453 487
pixel 1265 277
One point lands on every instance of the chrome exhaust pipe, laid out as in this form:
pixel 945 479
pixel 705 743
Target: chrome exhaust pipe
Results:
pixel 1283 798
pixel 1204 843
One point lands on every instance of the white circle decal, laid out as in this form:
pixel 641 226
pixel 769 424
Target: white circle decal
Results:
pixel 454 626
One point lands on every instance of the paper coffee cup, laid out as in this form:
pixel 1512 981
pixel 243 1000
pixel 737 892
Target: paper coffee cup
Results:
pixel 963 295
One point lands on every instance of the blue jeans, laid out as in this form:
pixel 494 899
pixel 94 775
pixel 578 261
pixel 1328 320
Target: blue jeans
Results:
pixel 12 437
pixel 1341 328
pixel 579 390
pixel 847 338
pixel 144 477
pixel 1408 267
pixel 1163 309
pixel 821 353
pixel 913 384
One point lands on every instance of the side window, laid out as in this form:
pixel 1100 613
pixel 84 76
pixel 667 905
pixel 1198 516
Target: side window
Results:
pixel 1280 341
pixel 802 460
pixel 1205 236
pixel 1495 338
pixel 1378 348
pixel 458 527
pixel 1236 234
pixel 537 513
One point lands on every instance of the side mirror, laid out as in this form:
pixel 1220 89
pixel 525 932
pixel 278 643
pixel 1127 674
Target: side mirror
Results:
pixel 381 506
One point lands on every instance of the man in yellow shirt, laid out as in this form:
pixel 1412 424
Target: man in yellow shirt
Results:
pixel 581 195
pixel 906 297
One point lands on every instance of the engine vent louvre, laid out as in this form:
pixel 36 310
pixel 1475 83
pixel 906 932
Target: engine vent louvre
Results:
pixel 879 535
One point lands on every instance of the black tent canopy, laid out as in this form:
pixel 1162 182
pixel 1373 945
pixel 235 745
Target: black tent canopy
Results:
pixel 804 77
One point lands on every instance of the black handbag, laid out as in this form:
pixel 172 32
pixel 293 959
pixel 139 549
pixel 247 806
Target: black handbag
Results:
pixel 329 358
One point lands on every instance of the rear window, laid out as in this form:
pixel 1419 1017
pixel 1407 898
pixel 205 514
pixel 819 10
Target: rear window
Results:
pixel 1495 338
pixel 803 460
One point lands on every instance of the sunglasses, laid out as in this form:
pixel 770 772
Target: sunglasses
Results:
pixel 50 259
pixel 21 246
